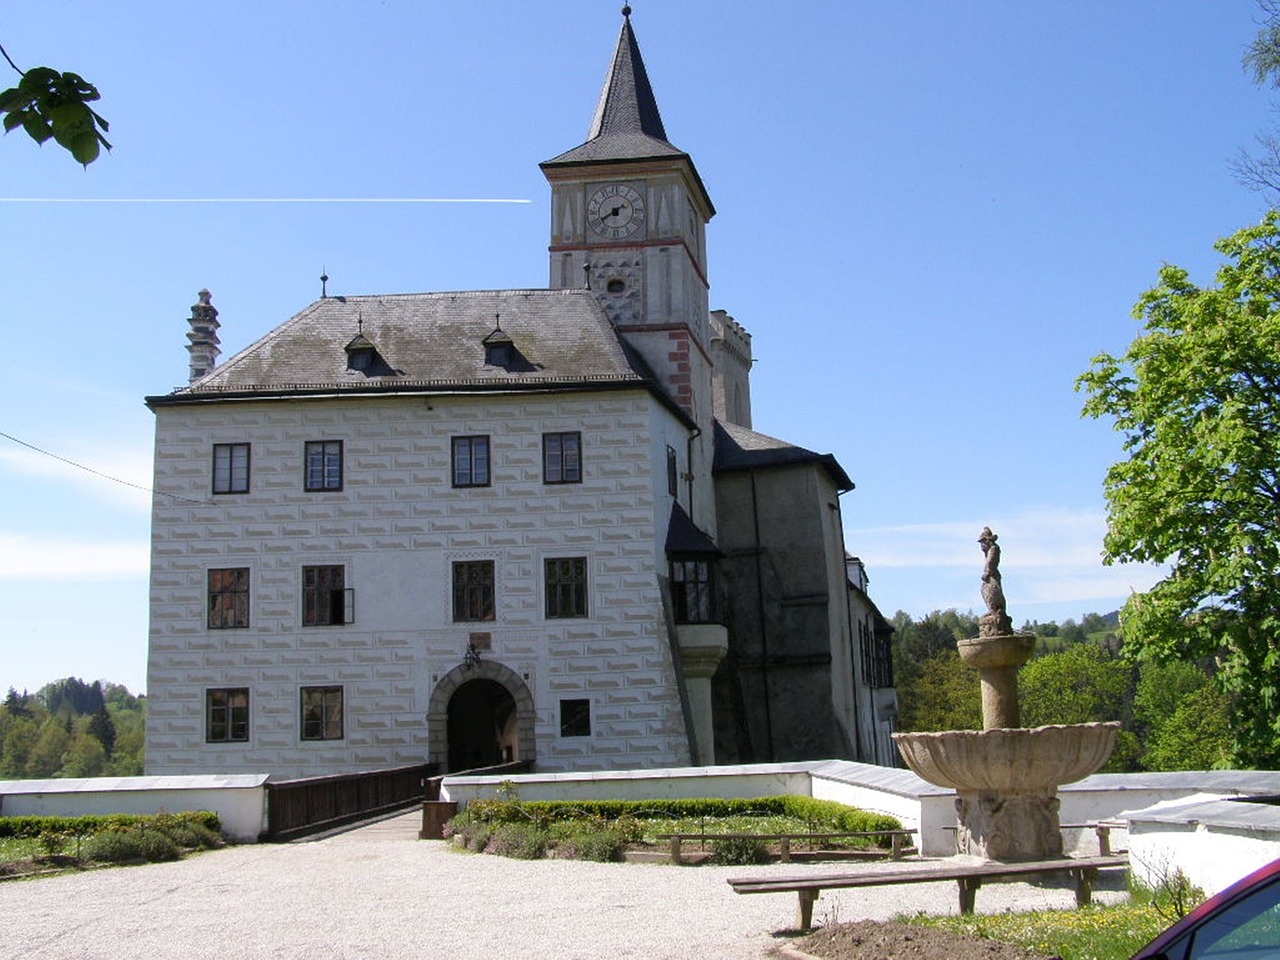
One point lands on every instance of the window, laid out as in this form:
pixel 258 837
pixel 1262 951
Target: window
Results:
pixel 473 590
pixel 877 655
pixel 324 599
pixel 575 718
pixel 673 475
pixel 226 715
pixel 229 598
pixel 470 461
pixel 231 468
pixel 323 465
pixel 566 588
pixel 562 458
pixel 691 590
pixel 321 713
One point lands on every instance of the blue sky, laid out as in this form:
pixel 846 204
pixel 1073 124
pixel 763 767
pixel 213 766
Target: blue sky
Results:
pixel 930 216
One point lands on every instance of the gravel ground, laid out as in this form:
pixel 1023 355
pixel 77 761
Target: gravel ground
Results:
pixel 379 892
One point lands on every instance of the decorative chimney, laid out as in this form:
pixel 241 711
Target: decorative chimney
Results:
pixel 203 336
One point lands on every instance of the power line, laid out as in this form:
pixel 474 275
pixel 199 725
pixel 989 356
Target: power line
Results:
pixel 96 473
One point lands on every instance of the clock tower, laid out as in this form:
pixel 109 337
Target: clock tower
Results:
pixel 628 218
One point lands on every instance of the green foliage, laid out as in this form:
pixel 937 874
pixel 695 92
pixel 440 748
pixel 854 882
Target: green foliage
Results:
pixel 1090 933
pixel 944 695
pixel 827 814
pixel 587 841
pixel 1196 398
pixel 1079 685
pixel 48 104
pixel 122 838
pixel 739 851
pixel 520 841
pixel 84 826
pixel 601 829
pixel 72 728
pixel 1194 737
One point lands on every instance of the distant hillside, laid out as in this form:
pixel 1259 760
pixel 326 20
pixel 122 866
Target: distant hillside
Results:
pixel 72 728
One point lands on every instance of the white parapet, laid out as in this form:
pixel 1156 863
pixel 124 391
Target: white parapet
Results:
pixel 239 800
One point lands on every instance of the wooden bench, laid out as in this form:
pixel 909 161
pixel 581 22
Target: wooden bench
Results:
pixel 897 840
pixel 969 875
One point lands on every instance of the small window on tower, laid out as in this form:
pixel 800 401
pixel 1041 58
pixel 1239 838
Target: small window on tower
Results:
pixel 616 286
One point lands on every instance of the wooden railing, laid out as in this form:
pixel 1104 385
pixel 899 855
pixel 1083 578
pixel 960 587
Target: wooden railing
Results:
pixel 298 807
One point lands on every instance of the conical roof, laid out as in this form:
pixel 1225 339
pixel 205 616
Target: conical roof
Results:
pixel 626 124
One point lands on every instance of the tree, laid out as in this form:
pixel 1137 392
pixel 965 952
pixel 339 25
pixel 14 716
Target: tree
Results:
pixel 1194 736
pixel 1197 399
pixel 945 695
pixel 1261 171
pixel 49 104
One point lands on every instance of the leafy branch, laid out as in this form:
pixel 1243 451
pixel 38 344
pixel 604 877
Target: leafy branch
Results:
pixel 48 104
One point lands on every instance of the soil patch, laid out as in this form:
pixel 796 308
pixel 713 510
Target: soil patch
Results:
pixel 873 940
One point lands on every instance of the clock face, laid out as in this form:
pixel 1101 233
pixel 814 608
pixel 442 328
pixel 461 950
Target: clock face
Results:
pixel 615 211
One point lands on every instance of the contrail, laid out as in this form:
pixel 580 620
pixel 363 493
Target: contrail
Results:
pixel 261 200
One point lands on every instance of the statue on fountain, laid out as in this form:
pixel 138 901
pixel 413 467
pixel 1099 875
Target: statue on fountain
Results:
pixel 995 622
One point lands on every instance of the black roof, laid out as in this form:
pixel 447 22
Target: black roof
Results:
pixel 738 448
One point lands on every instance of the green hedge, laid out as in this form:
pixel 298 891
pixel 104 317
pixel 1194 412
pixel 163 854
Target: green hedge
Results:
pixel 32 827
pixel 822 815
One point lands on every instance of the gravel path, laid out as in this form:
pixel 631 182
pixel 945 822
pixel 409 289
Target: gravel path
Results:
pixel 379 892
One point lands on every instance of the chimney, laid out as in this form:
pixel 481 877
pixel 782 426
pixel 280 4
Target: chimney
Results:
pixel 203 336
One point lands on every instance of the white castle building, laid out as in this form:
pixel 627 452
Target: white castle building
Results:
pixel 474 527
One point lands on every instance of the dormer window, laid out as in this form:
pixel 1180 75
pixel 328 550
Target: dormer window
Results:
pixel 361 354
pixel 499 349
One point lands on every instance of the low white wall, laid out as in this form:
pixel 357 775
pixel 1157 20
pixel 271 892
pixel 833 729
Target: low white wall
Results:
pixel 930 811
pixel 1212 858
pixel 757 780
pixel 239 801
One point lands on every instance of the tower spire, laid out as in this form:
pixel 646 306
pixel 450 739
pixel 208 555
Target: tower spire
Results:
pixel 627 103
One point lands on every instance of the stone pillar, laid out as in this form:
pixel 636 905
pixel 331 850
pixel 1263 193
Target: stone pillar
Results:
pixel 997 659
pixel 702 647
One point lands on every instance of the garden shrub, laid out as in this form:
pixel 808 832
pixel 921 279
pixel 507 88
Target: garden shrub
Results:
pixel 113 846
pixel 739 851
pixel 33 827
pixel 156 846
pixel 822 814
pixel 520 841
pixel 192 836
pixel 589 842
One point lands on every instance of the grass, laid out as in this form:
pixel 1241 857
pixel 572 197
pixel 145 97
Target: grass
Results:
pixel 19 848
pixel 1090 933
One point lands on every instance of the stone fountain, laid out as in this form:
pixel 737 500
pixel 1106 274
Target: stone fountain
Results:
pixel 1006 776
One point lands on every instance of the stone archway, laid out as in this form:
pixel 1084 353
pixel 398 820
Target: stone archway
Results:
pixel 476 712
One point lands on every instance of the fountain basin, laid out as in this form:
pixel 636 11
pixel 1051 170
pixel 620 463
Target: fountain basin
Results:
pixel 1012 761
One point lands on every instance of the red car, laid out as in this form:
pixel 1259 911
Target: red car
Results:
pixel 1240 923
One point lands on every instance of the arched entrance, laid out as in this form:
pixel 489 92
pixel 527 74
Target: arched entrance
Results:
pixel 479 716
pixel 482 725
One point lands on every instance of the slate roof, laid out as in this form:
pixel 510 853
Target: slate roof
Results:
pixel 684 536
pixel 432 342
pixel 626 125
pixel 738 448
